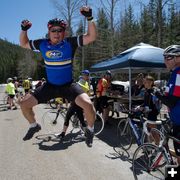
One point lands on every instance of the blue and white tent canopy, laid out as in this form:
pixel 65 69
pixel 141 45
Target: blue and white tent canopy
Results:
pixel 139 56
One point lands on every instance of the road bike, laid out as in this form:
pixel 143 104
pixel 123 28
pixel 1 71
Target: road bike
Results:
pixel 54 103
pixel 134 127
pixel 150 160
pixel 53 121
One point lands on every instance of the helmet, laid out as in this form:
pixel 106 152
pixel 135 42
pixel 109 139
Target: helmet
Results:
pixel 173 50
pixel 15 78
pixel 57 22
pixel 108 72
pixel 85 72
pixel 9 80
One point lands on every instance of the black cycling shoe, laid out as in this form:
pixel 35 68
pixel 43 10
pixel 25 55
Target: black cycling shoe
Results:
pixel 60 137
pixel 31 132
pixel 89 137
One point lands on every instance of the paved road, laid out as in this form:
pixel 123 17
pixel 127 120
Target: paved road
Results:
pixel 39 160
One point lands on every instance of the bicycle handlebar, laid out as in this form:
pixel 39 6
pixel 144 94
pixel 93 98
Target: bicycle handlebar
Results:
pixel 150 122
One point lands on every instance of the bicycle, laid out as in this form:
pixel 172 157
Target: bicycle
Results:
pixel 5 99
pixel 53 103
pixel 133 127
pixel 53 124
pixel 50 119
pixel 151 158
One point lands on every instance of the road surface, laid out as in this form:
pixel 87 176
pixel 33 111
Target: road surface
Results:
pixel 39 160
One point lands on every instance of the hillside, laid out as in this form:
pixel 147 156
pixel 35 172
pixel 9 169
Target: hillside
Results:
pixel 17 61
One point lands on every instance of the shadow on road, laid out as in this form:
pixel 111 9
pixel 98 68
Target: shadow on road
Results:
pixel 109 133
pixel 109 136
pixel 49 142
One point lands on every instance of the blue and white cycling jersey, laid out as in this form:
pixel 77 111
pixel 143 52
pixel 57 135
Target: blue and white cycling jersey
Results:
pixel 58 58
pixel 173 89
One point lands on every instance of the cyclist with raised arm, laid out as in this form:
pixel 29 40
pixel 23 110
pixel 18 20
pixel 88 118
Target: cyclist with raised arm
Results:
pixel 58 52
pixel 171 98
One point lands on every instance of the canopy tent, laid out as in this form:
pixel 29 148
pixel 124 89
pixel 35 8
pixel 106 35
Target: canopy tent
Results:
pixel 139 58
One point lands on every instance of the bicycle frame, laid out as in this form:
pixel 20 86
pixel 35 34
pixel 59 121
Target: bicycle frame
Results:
pixel 138 135
pixel 152 158
pixel 164 149
pixel 135 131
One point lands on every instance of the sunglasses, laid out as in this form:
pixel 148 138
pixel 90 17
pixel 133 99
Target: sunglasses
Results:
pixel 57 30
pixel 169 57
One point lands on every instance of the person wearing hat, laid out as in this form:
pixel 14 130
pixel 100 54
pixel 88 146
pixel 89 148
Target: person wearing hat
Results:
pixel 84 81
pixel 10 90
pixel 58 54
pixel 74 108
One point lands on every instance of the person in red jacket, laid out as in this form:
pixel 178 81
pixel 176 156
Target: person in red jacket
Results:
pixel 102 92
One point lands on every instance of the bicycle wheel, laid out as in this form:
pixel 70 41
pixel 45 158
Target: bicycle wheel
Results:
pixel 5 99
pixel 124 134
pixel 52 121
pixel 148 162
pixel 75 121
pixel 98 124
pixel 154 136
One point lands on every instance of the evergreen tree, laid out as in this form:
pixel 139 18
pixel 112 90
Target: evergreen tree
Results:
pixel 129 29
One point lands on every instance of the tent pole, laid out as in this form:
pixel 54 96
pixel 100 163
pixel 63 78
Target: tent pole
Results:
pixel 130 100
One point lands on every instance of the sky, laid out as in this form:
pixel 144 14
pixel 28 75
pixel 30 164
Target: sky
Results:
pixel 12 12
pixel 39 12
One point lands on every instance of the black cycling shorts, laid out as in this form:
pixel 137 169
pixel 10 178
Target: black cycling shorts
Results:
pixel 49 91
pixel 102 103
pixel 11 96
pixel 176 134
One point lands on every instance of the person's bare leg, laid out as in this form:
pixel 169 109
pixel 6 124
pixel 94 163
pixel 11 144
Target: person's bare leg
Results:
pixel 11 103
pixel 27 104
pixel 14 103
pixel 85 103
